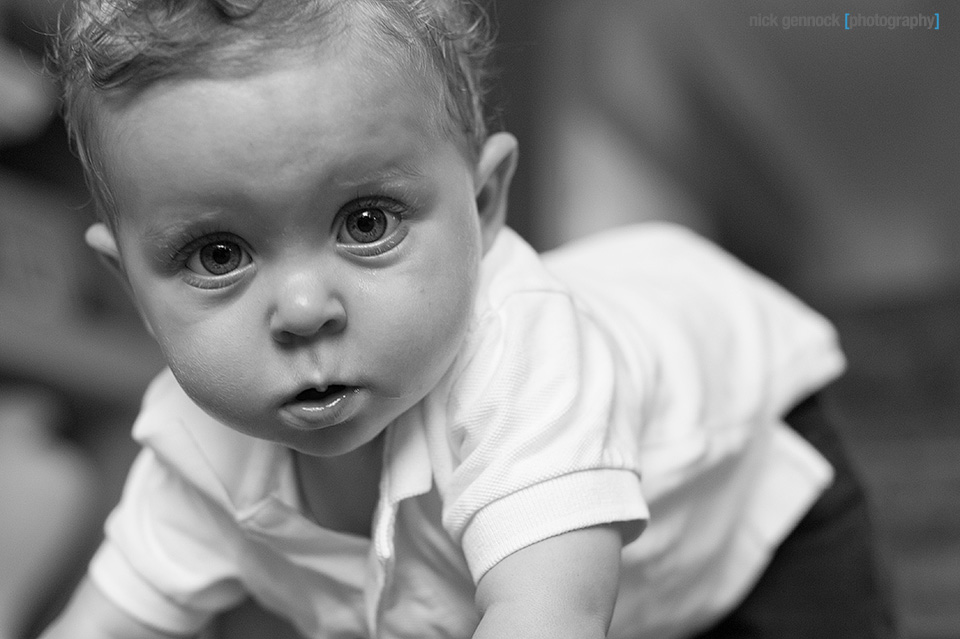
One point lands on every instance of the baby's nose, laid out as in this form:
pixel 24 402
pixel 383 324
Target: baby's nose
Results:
pixel 306 307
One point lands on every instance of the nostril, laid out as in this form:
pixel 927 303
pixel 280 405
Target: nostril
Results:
pixel 334 324
pixel 307 319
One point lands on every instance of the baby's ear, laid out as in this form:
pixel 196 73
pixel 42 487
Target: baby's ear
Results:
pixel 101 239
pixel 498 161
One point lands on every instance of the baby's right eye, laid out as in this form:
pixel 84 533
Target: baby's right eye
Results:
pixel 215 262
pixel 218 258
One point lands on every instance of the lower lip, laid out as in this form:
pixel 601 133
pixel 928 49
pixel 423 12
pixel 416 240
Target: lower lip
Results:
pixel 324 413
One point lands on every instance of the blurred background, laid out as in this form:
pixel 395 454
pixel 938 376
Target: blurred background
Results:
pixel 825 157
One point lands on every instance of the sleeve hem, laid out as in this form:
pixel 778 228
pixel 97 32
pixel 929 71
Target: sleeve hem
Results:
pixel 570 502
pixel 117 580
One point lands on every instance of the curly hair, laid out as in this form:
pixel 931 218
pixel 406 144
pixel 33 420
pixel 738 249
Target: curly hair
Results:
pixel 115 49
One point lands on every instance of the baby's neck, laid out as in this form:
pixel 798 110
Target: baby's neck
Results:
pixel 341 493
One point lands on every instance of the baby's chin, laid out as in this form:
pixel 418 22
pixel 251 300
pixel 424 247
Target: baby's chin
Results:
pixel 340 437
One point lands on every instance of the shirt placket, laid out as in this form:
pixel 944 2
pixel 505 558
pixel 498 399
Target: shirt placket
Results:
pixel 406 474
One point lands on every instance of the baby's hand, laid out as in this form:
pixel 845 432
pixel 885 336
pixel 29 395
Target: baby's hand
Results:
pixel 564 586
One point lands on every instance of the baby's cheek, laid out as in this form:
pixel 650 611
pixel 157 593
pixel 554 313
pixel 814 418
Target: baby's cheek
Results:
pixel 435 333
pixel 211 374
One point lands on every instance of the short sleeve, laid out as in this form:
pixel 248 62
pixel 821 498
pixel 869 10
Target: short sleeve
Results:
pixel 538 431
pixel 169 555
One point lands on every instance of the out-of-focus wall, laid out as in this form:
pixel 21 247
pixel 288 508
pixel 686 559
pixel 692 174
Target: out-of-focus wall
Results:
pixel 821 154
pixel 64 320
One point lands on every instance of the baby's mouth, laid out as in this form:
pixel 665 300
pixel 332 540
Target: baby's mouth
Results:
pixel 321 406
pixel 320 395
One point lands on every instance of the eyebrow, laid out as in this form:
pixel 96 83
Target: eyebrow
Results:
pixel 167 238
pixel 387 172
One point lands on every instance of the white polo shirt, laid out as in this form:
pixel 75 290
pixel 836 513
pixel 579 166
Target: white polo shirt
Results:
pixel 640 376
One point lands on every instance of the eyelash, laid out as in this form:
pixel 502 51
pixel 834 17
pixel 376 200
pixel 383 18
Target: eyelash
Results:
pixel 181 255
pixel 382 202
pixel 387 205
pixel 178 254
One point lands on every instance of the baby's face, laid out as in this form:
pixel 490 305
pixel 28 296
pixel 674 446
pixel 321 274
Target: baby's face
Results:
pixel 304 243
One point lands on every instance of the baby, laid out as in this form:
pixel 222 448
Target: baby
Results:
pixel 384 415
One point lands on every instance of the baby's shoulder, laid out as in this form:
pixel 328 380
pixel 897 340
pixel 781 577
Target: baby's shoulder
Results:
pixel 510 268
pixel 214 459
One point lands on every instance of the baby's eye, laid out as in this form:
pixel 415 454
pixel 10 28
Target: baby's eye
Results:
pixel 217 258
pixel 364 227
pixel 371 227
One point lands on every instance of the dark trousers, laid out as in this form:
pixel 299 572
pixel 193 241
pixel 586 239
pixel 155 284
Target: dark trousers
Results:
pixel 824 581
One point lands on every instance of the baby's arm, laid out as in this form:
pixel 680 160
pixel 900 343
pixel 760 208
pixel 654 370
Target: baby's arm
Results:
pixel 90 615
pixel 561 587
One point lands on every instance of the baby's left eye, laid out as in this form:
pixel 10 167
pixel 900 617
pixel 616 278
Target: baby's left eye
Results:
pixel 371 228
pixel 364 227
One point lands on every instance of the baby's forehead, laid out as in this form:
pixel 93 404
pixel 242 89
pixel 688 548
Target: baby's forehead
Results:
pixel 360 25
pixel 257 50
pixel 359 66
pixel 269 48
